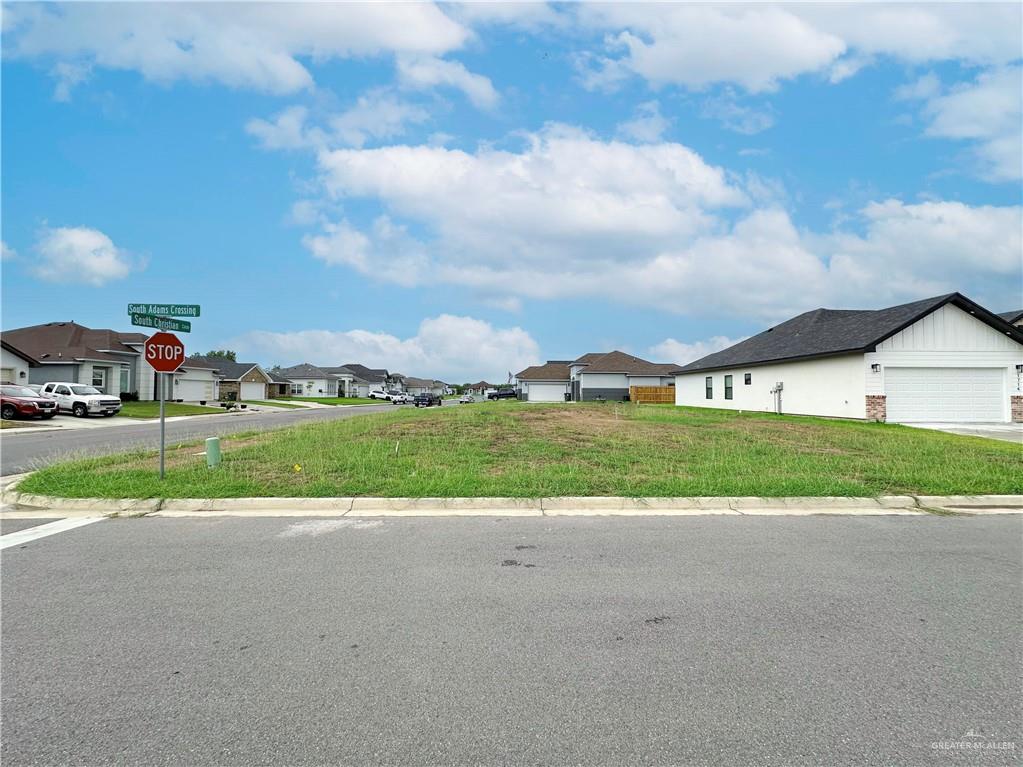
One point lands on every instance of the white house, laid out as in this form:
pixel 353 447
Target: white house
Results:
pixel 310 381
pixel 550 382
pixel 14 365
pixel 609 375
pixel 414 386
pixel 943 359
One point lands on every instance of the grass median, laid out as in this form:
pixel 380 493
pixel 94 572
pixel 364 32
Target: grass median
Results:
pixel 583 449
pixel 335 400
pixel 147 409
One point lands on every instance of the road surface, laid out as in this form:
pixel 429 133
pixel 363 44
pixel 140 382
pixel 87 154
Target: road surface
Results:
pixel 584 641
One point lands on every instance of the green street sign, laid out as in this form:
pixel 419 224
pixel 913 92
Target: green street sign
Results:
pixel 160 323
pixel 165 310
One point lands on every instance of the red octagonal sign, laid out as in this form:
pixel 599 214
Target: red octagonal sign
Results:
pixel 164 352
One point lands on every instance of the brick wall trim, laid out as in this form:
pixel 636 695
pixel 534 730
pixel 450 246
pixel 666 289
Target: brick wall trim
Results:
pixel 1016 405
pixel 877 407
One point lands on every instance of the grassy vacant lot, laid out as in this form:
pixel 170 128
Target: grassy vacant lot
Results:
pixel 152 409
pixel 335 400
pixel 534 450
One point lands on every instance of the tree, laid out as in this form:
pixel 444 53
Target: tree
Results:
pixel 226 354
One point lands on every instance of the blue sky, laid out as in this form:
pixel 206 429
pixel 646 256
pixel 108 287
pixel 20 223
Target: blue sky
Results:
pixel 463 190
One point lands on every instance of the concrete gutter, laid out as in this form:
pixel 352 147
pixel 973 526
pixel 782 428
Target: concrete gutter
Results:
pixel 43 505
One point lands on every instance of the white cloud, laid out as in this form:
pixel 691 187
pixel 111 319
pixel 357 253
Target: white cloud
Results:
pixel 447 347
pixel 422 72
pixel 255 45
pixel 730 113
pixel 81 255
pixel 6 251
pixel 571 216
pixel 377 114
pixel 989 112
pixel 648 124
pixel 756 46
pixel 683 353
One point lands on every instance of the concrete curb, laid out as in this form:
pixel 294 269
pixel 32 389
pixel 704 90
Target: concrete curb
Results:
pixel 511 507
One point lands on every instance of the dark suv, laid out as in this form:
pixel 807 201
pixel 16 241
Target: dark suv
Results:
pixel 503 394
pixel 426 399
pixel 18 401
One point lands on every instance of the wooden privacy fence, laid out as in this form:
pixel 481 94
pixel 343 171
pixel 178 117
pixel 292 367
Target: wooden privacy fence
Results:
pixel 652 394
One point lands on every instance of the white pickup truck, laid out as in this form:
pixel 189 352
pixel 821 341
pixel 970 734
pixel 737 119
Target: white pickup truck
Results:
pixel 80 399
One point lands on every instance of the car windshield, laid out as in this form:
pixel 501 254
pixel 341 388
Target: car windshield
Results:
pixel 85 390
pixel 17 391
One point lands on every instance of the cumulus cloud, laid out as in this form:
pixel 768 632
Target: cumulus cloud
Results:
pixel 255 46
pixel 987 112
pixel 737 117
pixel 447 347
pixel 6 251
pixel 81 255
pixel 376 115
pixel 757 46
pixel 570 216
pixel 429 72
pixel 683 353
pixel 648 124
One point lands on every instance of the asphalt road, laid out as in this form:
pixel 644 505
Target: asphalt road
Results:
pixel 26 451
pixel 589 641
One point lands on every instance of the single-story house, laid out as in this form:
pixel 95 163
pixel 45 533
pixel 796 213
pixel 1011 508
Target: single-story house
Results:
pixel 14 364
pixel 241 381
pixel 310 381
pixel 480 388
pixel 942 359
pixel 1013 318
pixel 609 375
pixel 347 383
pixel 550 382
pixel 195 381
pixel 367 379
pixel 414 386
pixel 279 386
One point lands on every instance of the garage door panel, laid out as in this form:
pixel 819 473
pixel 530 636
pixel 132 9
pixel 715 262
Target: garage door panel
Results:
pixel 547 392
pixel 253 391
pixel 944 394
pixel 192 390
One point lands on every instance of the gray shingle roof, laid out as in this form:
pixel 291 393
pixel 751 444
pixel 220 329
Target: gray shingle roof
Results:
pixel 620 362
pixel 1012 317
pixel 829 332
pixel 229 371
pixel 304 371
pixel 366 374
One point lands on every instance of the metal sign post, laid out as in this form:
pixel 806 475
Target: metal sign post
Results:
pixel 165 353
pixel 163 423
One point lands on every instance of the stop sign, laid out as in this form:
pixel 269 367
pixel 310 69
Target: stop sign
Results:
pixel 164 352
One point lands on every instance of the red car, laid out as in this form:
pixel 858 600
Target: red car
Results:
pixel 22 402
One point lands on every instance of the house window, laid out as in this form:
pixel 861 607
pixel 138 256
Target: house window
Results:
pixel 124 379
pixel 297 389
pixel 709 382
pixel 728 387
pixel 99 379
pixel 748 379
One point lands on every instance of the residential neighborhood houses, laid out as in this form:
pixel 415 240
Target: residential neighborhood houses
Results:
pixel 112 362
pixel 941 359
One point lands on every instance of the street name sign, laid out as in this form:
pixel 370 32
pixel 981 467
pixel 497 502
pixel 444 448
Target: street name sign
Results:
pixel 160 323
pixel 165 310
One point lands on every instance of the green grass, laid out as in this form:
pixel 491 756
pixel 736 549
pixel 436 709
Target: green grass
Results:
pixel 273 403
pixel 336 400
pixel 580 449
pixel 19 424
pixel 152 409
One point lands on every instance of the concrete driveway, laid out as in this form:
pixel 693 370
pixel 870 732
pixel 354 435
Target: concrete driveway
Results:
pixel 1009 432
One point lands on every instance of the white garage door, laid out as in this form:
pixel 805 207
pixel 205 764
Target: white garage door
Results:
pixel 252 391
pixel 547 392
pixel 944 394
pixel 193 391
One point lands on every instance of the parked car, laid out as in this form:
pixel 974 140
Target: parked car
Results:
pixel 466 399
pixel 379 394
pixel 399 398
pixel 503 394
pixel 22 402
pixel 426 399
pixel 81 400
